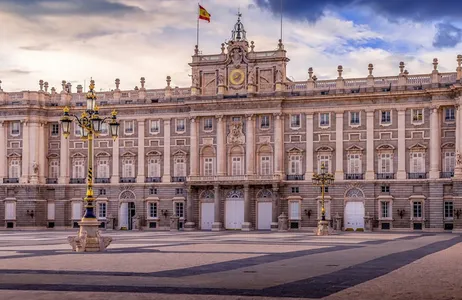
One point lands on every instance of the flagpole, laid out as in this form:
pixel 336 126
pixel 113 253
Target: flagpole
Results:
pixel 197 37
pixel 281 20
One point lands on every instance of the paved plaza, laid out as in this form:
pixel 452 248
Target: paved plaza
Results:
pixel 233 265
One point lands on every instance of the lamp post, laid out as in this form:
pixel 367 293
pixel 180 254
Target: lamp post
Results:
pixel 323 179
pixel 88 239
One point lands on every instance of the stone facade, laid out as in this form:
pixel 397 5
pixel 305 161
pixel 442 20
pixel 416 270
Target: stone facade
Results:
pixel 239 148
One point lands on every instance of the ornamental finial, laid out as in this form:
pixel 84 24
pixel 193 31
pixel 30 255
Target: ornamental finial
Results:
pixel 92 85
pixel 66 109
pixel 114 113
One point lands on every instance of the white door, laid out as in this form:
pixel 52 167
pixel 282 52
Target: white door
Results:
pixel 123 215
pixel 354 215
pixel 234 214
pixel 207 215
pixel 265 211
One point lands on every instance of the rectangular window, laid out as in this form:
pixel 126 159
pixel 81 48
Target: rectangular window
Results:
pixel 449 161
pixel 104 128
pixel 102 208
pixel 78 171
pixel 178 191
pixel 385 207
pixel 417 209
pixel 417 115
pixel 152 191
pixel 180 167
pixel 354 118
pixel 448 209
pixel 77 130
pixel 103 168
pixel 385 163
pixel 324 119
pixel 208 124
pixel 129 127
pixel 15 169
pixel 385 189
pixel 236 166
pixel 208 166
pixel 265 122
pixel 449 114
pixel 417 162
pixel 386 117
pixel 324 160
pixel 15 128
pixel 54 129
pixel 326 189
pixel 180 125
pixel 294 209
pixel 265 165
pixel 54 169
pixel 179 209
pixel 154 126
pixel 153 167
pixel 295 165
pixel 153 210
pixel 128 170
pixel 295 121
pixel 236 119
pixel 295 190
pixel 102 192
pixel 354 164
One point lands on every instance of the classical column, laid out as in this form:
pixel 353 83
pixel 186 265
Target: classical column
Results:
pixel 370 174
pixel 33 151
pixel 189 225
pixel 458 167
pixel 42 152
pixel 221 146
pixel 166 176
pixel 278 145
pixel 339 146
pixel 217 226
pixel 275 210
pixel 194 159
pixel 309 147
pixel 25 153
pixel 140 178
pixel 250 145
pixel 435 144
pixel 401 174
pixel 3 158
pixel 247 225
pixel 115 178
pixel 64 158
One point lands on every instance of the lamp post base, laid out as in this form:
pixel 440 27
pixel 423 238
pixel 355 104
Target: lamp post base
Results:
pixel 323 228
pixel 89 238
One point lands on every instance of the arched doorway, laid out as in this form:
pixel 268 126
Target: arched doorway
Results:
pixel 207 209
pixel 127 210
pixel 234 210
pixel 354 210
pixel 264 209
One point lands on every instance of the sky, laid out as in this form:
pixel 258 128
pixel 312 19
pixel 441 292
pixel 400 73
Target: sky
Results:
pixel 74 40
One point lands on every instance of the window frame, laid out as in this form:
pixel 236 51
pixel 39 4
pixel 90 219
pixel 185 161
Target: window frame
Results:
pixel 385 123
pixel 448 213
pixel 297 117
pixel 295 165
pixel 177 123
pixel 206 126
pixel 98 205
pixel 265 125
pixel 417 122
pixel 321 121
pixel 54 132
pixel 13 130
pixel 297 203
pixel 127 125
pixel 449 120
pixel 265 165
pixel 151 122
pixel 148 209
pixel 351 113
pixel 176 205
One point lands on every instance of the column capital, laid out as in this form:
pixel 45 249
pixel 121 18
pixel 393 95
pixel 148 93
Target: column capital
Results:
pixel 339 113
pixel 246 187
pixel 193 118
pixel 219 117
pixel 249 116
pixel 434 108
pixel 216 188
pixel 278 115
pixel 401 109
pixel 309 115
pixel 142 121
pixel 370 111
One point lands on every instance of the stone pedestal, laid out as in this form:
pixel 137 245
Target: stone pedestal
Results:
pixel 174 223
pixel 189 226
pixel 337 222
pixel 368 223
pixel 217 226
pixel 274 226
pixel 323 228
pixel 89 238
pixel 246 226
pixel 283 222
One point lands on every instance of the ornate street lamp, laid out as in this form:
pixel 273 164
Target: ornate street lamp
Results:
pixel 90 122
pixel 323 179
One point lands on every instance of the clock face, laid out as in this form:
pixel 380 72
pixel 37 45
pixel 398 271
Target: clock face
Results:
pixel 236 76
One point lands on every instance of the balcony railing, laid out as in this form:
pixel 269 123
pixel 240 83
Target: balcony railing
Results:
pixel 102 180
pixel 295 177
pixel 127 179
pixel 76 180
pixel 446 174
pixel 385 176
pixel 52 180
pixel 354 176
pixel 153 179
pixel 179 179
pixel 10 180
pixel 416 175
pixel 225 178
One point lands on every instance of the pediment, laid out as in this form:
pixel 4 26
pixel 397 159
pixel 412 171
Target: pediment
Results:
pixel 418 147
pixel 295 150
pixel 354 148
pixel 325 149
pixel 385 147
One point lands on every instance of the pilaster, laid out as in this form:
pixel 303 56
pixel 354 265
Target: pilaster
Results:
pixel 370 174
pixel 275 209
pixel 194 160
pixel 189 225
pixel 33 151
pixel 401 174
pixel 166 177
pixel 278 144
pixel 42 152
pixel 3 145
pixel 140 178
pixel 247 225
pixel 25 152
pixel 458 168
pixel 435 145
pixel 339 176
pixel 64 161
pixel 221 146
pixel 115 178
pixel 217 225
pixel 309 147
pixel 250 145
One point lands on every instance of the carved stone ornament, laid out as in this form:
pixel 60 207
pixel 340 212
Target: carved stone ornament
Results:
pixel 458 159
pixel 236 136
pixel 236 56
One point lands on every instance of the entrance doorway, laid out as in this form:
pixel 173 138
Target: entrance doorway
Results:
pixel 354 215
pixel 207 215
pixel 126 214
pixel 265 213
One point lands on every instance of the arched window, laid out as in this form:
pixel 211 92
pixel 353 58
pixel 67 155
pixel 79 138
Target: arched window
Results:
pixel 128 167
pixel 53 171
pixel 295 162
pixel 78 167
pixel 266 160
pixel 153 166
pixel 208 161
pixel 237 161
pixel 15 168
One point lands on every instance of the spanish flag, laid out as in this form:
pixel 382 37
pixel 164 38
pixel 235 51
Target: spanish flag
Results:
pixel 204 14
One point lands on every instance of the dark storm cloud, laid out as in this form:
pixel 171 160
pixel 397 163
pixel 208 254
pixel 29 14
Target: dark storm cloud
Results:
pixel 66 7
pixel 416 10
pixel 447 35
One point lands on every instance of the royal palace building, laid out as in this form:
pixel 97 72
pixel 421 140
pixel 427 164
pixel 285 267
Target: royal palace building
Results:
pixel 239 147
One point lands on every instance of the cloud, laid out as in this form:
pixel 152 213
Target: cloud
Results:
pixel 447 35
pixel 416 10
pixel 15 72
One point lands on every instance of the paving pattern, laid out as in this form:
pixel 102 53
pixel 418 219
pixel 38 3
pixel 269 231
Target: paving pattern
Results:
pixel 232 265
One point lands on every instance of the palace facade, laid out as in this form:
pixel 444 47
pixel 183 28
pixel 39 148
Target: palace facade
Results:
pixel 239 147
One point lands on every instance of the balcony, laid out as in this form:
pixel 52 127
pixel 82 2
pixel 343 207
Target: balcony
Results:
pixel 76 180
pixel 127 179
pixel 385 176
pixel 179 179
pixel 446 174
pixel 295 177
pixel 354 176
pixel 52 180
pixel 256 179
pixel 10 180
pixel 416 175
pixel 153 179
pixel 102 180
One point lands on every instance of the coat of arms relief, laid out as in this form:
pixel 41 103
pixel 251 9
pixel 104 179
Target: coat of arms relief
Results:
pixel 236 136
